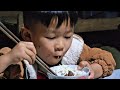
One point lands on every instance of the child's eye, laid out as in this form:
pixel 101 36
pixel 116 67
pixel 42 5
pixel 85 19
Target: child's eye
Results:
pixel 50 37
pixel 68 37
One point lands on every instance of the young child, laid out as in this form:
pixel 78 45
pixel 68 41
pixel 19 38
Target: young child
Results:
pixel 50 35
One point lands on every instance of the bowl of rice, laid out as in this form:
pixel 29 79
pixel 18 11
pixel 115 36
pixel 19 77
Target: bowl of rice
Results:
pixel 69 72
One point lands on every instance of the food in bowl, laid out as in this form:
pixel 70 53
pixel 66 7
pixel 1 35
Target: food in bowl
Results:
pixel 68 72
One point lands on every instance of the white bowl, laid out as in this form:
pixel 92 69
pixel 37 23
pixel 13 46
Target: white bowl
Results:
pixel 63 70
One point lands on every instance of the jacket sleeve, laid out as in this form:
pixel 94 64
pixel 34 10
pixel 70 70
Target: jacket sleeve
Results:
pixel 102 57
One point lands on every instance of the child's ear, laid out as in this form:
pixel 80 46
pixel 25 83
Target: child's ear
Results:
pixel 25 33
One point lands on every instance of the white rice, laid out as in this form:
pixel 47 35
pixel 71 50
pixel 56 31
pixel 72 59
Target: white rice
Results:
pixel 63 70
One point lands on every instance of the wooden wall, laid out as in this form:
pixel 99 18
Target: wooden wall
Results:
pixel 99 24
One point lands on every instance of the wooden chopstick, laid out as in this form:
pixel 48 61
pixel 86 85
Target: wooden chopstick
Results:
pixel 7 32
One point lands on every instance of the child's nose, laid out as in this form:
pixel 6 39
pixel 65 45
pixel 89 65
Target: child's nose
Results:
pixel 59 49
pixel 59 46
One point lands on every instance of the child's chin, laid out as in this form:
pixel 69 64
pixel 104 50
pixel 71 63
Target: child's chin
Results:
pixel 55 64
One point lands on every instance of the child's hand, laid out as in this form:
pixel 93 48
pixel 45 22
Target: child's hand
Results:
pixel 83 64
pixel 23 50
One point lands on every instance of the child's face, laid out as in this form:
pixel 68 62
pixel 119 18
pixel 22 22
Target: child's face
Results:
pixel 51 43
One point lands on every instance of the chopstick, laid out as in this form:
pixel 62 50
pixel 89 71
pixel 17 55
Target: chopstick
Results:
pixel 14 38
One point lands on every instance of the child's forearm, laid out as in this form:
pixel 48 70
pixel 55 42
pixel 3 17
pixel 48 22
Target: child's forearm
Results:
pixel 97 70
pixel 4 62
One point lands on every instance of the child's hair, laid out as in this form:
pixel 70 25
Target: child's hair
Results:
pixel 44 17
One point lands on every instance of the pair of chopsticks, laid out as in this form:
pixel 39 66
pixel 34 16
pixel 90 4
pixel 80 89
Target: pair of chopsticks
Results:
pixel 14 38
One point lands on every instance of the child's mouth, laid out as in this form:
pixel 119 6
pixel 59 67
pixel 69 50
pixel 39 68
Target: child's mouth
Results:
pixel 57 57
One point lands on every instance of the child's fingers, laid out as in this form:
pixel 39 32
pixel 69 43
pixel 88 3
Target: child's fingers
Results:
pixel 31 55
pixel 86 64
pixel 28 58
pixel 30 46
pixel 83 64
pixel 91 76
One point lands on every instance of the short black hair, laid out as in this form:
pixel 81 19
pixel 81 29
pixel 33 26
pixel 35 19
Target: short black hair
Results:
pixel 32 17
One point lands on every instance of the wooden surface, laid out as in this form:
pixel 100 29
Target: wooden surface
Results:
pixel 88 25
pixel 9 13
